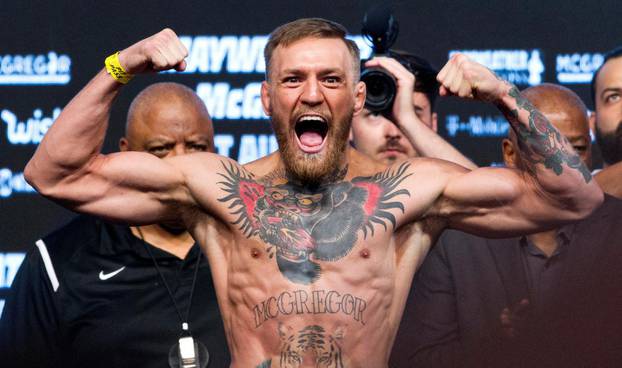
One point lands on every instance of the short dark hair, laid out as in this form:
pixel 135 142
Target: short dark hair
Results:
pixel 611 54
pixel 425 73
pixel 299 29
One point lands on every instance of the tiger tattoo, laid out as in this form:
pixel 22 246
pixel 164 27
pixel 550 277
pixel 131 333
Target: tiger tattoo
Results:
pixel 311 345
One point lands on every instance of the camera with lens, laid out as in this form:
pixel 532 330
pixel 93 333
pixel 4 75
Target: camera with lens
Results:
pixel 381 28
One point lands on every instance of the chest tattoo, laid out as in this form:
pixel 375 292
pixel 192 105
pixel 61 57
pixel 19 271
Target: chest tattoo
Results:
pixel 301 225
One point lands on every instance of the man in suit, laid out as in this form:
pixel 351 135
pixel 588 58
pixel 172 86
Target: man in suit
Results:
pixel 527 301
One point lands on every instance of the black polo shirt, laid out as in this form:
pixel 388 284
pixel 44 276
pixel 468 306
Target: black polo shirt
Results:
pixel 88 295
pixel 543 273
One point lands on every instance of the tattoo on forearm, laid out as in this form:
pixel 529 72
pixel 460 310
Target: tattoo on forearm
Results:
pixel 304 225
pixel 540 142
pixel 316 302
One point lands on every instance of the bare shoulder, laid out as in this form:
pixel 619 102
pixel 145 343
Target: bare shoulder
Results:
pixel 434 166
pixel 203 174
pixel 425 180
pixel 209 168
pixel 426 175
pixel 200 163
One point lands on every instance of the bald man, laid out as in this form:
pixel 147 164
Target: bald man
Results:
pixel 520 302
pixel 95 294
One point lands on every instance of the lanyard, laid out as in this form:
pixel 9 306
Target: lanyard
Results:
pixel 184 321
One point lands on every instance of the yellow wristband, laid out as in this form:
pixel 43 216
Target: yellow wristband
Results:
pixel 115 69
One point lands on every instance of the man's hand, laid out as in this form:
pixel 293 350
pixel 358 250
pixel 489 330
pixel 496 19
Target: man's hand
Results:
pixel 512 319
pixel 403 109
pixel 467 79
pixel 161 51
pixel 421 136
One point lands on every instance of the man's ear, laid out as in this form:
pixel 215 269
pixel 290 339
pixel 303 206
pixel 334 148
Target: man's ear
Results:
pixel 265 98
pixel 592 122
pixel 435 122
pixel 359 97
pixel 124 145
pixel 509 153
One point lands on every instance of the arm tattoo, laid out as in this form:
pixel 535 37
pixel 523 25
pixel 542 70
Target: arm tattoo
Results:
pixel 539 142
pixel 301 225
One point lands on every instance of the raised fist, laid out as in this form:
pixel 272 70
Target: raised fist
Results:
pixel 467 79
pixel 162 51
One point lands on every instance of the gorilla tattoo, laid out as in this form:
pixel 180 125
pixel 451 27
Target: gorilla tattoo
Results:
pixel 301 225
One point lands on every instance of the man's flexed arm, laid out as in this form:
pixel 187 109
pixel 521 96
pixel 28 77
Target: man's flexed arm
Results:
pixel 546 153
pixel 552 185
pixel 68 166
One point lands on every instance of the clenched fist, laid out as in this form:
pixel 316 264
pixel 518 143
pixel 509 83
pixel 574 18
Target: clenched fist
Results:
pixel 161 51
pixel 467 79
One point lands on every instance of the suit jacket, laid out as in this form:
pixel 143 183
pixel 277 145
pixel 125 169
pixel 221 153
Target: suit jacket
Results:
pixel 452 318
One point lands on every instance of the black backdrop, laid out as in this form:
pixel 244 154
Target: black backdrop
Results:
pixel 50 49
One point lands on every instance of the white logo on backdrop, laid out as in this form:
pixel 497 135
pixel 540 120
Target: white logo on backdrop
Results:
pixel 32 69
pixel 235 54
pixel 30 131
pixel 577 68
pixel 477 126
pixel 522 67
pixel 225 102
pixel 251 147
pixel 9 264
pixel 11 183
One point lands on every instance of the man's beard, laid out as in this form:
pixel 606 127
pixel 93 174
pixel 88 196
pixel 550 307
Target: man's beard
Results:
pixel 610 145
pixel 311 169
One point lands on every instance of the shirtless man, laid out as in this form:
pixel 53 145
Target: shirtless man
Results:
pixel 304 244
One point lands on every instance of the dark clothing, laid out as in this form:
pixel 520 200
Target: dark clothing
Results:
pixel 543 273
pixel 452 317
pixel 97 301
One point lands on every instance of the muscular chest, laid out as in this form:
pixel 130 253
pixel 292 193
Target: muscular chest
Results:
pixel 305 229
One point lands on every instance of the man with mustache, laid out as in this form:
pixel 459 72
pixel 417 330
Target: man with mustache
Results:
pixel 409 129
pixel 607 120
pixel 304 244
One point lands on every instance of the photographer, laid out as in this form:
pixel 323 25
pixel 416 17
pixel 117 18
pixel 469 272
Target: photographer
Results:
pixel 407 127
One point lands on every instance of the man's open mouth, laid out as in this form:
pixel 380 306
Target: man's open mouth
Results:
pixel 311 131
